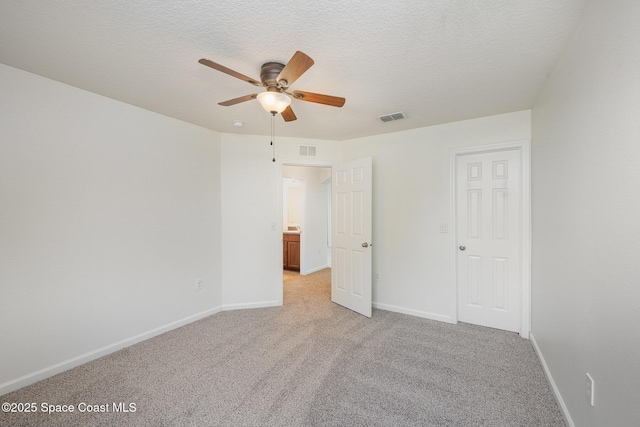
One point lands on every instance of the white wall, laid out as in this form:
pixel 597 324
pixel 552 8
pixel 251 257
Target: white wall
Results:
pixel 411 199
pixel 108 216
pixel 586 217
pixel 314 247
pixel 292 205
pixel 252 214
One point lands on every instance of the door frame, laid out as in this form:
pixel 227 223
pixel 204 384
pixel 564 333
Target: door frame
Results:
pixel 281 163
pixel 524 149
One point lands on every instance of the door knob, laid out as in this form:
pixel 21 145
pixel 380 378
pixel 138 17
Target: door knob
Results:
pixel 365 245
pixel 462 248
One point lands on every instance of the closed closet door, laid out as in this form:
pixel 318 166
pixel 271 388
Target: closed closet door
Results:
pixel 488 225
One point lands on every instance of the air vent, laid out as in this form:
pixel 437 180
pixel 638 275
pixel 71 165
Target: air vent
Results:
pixel 308 150
pixel 392 117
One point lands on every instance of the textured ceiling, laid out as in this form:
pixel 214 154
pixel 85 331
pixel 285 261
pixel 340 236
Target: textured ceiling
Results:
pixel 437 60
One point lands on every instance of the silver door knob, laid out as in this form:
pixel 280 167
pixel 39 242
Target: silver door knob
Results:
pixel 462 248
pixel 365 245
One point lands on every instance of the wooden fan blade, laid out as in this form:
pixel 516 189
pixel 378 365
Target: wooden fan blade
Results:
pixel 229 71
pixel 235 101
pixel 318 98
pixel 288 114
pixel 297 65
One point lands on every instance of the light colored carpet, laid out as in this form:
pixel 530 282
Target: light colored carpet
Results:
pixel 308 363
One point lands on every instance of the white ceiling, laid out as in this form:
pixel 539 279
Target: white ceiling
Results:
pixel 438 61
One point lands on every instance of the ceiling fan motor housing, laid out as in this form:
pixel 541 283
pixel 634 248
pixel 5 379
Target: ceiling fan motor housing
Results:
pixel 269 75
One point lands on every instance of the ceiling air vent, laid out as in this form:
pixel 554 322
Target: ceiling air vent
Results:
pixel 308 150
pixel 392 117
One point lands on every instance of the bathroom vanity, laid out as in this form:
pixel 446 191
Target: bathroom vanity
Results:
pixel 291 250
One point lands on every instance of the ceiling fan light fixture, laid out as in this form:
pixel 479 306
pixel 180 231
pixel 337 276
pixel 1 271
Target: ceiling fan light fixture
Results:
pixel 274 101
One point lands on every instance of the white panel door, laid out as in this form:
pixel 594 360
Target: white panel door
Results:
pixel 488 224
pixel 351 235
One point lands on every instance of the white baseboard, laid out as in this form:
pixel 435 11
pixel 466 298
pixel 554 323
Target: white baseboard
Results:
pixel 412 312
pixel 313 270
pixel 50 371
pixel 261 304
pixel 554 387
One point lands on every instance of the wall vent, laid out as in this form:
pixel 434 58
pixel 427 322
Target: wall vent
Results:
pixel 392 117
pixel 308 150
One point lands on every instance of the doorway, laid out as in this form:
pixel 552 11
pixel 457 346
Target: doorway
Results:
pixel 306 219
pixel 490 196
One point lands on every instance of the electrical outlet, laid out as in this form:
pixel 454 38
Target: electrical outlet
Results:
pixel 444 228
pixel 199 284
pixel 377 276
pixel 591 388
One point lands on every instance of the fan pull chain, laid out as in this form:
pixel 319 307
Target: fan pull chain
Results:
pixel 273 134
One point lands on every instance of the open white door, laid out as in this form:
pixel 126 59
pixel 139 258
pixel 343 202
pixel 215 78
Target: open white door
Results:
pixel 351 235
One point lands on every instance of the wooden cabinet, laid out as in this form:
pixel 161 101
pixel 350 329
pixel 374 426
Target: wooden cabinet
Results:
pixel 291 251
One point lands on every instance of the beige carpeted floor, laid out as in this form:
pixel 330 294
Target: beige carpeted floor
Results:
pixel 308 363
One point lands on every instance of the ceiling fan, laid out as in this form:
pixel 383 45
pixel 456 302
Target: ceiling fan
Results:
pixel 277 78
